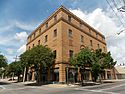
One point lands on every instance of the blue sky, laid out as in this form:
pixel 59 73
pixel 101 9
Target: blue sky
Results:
pixel 18 18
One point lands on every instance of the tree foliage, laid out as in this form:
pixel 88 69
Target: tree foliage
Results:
pixel 3 61
pixel 40 57
pixel 84 57
pixel 96 60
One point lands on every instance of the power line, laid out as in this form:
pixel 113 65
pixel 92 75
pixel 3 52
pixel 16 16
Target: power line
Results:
pixel 115 13
pixel 115 4
pixel 124 1
pixel 122 16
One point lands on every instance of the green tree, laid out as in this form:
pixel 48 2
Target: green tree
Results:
pixel 26 61
pixel 108 61
pixel 15 68
pixel 43 58
pixel 101 61
pixel 40 56
pixel 97 61
pixel 3 61
pixel 3 65
pixel 81 60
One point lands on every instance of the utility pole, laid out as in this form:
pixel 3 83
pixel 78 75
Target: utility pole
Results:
pixel 16 58
pixel 13 72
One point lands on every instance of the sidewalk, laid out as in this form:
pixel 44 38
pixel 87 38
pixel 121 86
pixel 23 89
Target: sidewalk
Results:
pixel 33 83
pixel 61 85
pixel 114 80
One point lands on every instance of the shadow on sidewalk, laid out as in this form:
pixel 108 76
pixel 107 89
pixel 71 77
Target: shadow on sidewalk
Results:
pixel 4 83
pixel 35 84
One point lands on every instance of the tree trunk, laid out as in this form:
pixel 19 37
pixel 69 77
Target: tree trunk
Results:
pixel 49 75
pixel 39 75
pixel 79 75
pixel 100 80
pixel 24 75
pixel 13 76
pixel 18 77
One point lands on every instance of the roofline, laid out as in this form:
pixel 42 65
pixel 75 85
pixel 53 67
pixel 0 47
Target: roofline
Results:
pixel 66 10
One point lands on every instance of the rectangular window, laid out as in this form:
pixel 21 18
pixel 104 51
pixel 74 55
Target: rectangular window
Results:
pixel 55 18
pixel 96 35
pixel 69 18
pixel 80 24
pixel 82 38
pixel 70 53
pixel 54 54
pixel 33 45
pixel 46 25
pixel 46 38
pixel 103 38
pixel 104 49
pixel 55 33
pixel 70 33
pixel 34 34
pixel 98 46
pixel 90 31
pixel 40 31
pixel 39 42
pixel 91 43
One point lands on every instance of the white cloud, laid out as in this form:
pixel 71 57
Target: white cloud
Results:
pixel 22 36
pixel 25 26
pixel 5 28
pixel 22 49
pixel 107 25
pixel 10 51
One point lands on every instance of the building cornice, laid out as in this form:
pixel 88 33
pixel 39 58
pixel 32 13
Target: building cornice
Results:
pixel 62 8
pixel 75 26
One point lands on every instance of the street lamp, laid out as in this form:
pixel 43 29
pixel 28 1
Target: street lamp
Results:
pixel 67 74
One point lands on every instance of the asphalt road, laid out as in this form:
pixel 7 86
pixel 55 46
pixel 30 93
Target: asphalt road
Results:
pixel 18 88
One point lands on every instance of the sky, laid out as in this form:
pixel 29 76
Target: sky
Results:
pixel 18 18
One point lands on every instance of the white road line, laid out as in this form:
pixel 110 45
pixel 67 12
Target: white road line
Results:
pixel 113 87
pixel 2 88
pixel 99 91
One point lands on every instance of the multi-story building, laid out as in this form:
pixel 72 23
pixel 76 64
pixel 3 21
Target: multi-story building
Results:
pixel 65 34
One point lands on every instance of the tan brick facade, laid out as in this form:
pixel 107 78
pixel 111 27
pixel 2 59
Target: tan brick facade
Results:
pixel 65 33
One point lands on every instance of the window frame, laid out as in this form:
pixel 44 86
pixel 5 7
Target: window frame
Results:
pixel 91 43
pixel 55 18
pixel 69 18
pixel 38 42
pixel 70 33
pixel 55 33
pixel 82 38
pixel 46 25
pixel 46 38
pixel 71 52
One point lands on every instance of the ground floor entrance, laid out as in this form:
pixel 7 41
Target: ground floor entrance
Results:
pixel 64 73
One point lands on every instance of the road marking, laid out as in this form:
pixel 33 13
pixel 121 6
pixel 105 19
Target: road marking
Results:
pixel 99 91
pixel 2 88
pixel 113 87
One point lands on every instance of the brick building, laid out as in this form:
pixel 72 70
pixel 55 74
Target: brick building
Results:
pixel 65 34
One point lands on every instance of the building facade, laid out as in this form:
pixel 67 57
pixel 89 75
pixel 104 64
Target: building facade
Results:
pixel 65 34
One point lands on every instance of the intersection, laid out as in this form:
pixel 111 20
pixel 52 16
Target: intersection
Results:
pixel 20 88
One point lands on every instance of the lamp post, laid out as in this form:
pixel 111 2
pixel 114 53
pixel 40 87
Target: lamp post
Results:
pixel 67 74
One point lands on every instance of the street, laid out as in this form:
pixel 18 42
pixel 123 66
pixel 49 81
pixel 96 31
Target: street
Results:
pixel 19 88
